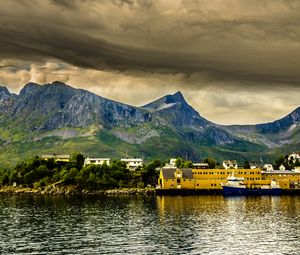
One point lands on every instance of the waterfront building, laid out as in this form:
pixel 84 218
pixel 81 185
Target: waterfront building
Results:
pixel 286 179
pixel 212 179
pixel 175 178
pixel 96 161
pixel 133 163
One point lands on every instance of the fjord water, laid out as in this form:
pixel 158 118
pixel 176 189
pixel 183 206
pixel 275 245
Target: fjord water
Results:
pixel 149 225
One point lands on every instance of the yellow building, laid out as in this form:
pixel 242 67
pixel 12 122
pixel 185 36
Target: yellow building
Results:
pixel 211 179
pixel 285 178
pixel 174 178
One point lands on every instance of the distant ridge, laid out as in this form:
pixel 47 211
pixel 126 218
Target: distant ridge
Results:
pixel 56 116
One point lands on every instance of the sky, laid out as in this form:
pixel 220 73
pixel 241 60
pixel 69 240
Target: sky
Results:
pixel 236 62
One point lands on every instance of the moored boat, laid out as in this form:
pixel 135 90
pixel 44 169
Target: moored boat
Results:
pixel 236 187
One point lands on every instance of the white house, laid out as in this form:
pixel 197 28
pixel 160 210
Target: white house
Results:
pixel 294 157
pixel 96 161
pixel 133 163
pixel 230 164
pixel 268 167
pixel 282 167
pixel 172 162
pixel 253 165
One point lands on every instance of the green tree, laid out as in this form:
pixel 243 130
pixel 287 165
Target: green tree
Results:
pixel 5 179
pixel 178 162
pixel 70 176
pixel 188 164
pixel 246 165
pixel 211 163
pixel 79 161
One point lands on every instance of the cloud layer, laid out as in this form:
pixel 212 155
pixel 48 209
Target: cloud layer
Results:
pixel 236 56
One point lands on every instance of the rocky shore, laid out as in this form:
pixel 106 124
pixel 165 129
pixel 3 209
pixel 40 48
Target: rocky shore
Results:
pixel 74 190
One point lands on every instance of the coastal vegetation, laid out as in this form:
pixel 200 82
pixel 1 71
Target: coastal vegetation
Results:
pixel 38 173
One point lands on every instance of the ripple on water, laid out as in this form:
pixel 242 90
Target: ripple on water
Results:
pixel 149 225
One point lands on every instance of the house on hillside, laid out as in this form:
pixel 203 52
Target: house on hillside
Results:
pixel 57 158
pixel 253 165
pixel 230 164
pixel 172 162
pixel 282 167
pixel 294 157
pixel 133 163
pixel 96 161
pixel 268 167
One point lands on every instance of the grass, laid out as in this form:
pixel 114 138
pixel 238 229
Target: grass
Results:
pixel 170 144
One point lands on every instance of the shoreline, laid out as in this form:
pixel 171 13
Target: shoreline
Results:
pixel 74 190
pixel 70 190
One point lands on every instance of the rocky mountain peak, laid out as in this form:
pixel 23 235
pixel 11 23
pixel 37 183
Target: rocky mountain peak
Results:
pixel 7 99
pixel 175 98
pixel 4 93
pixel 29 88
pixel 165 102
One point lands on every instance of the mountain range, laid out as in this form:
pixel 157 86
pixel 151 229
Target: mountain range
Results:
pixel 57 118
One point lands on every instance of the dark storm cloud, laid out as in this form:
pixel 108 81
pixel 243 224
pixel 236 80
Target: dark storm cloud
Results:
pixel 254 41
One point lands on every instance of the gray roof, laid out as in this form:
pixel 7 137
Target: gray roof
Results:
pixel 280 172
pixel 168 173
pixel 200 164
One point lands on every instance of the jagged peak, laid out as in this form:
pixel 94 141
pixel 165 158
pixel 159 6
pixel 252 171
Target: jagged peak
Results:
pixel 166 102
pixel 4 90
pixel 178 95
pixel 5 94
pixel 33 87
pixel 29 88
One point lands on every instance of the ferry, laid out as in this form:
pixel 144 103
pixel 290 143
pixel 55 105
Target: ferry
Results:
pixel 235 186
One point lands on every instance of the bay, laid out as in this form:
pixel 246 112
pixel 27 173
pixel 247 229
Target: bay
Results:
pixel 149 225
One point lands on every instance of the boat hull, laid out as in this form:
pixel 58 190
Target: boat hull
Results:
pixel 241 191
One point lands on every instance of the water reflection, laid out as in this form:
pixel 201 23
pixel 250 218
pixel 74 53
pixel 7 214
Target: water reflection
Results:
pixel 149 225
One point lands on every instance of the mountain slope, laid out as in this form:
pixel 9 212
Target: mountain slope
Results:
pixel 287 124
pixel 53 106
pixel 56 118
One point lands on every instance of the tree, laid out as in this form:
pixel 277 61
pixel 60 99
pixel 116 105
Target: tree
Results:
pixel 188 164
pixel 211 163
pixel 79 161
pixel 178 162
pixel 70 176
pixel 5 179
pixel 246 165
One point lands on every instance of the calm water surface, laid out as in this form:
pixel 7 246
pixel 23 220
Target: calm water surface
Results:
pixel 149 225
